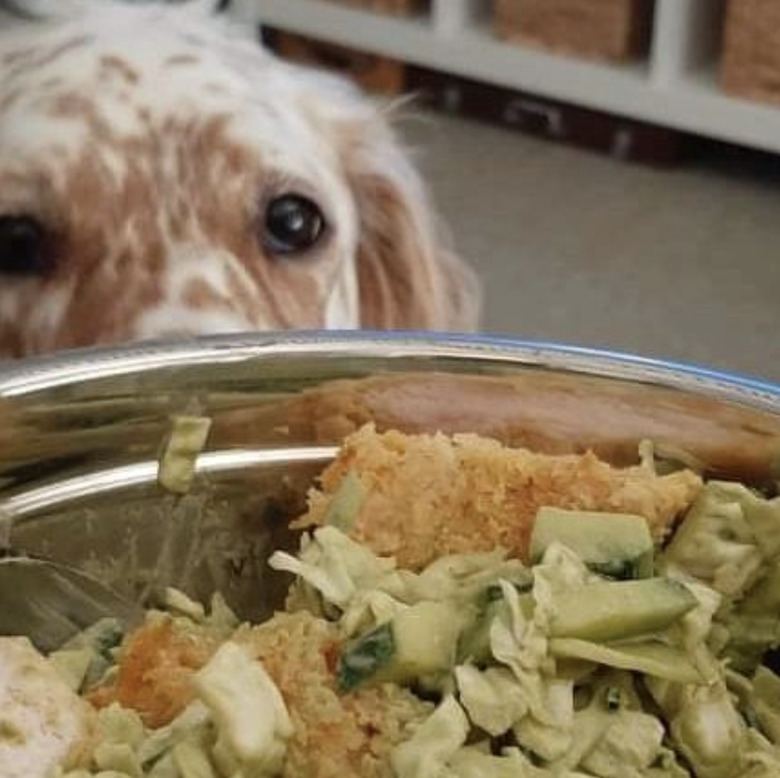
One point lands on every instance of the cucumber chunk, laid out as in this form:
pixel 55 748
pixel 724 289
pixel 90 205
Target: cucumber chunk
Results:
pixel 419 642
pixel 616 545
pixel 345 505
pixel 619 610
pixel 366 657
pixel 649 657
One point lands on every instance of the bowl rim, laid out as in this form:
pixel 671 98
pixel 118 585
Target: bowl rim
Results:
pixel 23 377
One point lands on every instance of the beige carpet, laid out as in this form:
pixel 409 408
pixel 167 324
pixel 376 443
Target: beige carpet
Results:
pixel 579 248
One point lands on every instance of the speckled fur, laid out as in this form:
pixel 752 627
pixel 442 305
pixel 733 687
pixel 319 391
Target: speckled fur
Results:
pixel 147 140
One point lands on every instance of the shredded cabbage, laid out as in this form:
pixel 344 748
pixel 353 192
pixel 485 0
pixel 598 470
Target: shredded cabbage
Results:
pixel 726 538
pixel 493 697
pixel 628 747
pixel 188 436
pixel 520 642
pixel 249 712
pixel 438 739
pixel 335 565
pixel 469 762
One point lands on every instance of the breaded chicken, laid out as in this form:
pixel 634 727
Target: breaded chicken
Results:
pixel 43 723
pixel 335 735
pixel 427 496
pixel 155 668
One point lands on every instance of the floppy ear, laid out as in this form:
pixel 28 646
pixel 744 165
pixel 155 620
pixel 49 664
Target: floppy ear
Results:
pixel 408 276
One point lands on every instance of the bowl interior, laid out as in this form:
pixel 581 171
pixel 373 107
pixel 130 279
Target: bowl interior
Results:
pixel 80 438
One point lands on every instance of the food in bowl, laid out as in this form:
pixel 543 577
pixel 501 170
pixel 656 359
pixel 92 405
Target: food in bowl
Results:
pixel 458 608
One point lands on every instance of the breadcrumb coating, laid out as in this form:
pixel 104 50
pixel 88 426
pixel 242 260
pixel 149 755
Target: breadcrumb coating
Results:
pixel 431 495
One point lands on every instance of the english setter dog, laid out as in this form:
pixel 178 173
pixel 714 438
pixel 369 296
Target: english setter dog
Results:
pixel 162 174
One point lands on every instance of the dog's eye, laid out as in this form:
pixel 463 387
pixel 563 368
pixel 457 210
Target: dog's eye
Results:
pixel 22 246
pixel 293 224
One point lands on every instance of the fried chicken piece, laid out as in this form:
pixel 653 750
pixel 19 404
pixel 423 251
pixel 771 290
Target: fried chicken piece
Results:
pixel 155 669
pixel 335 735
pixel 427 496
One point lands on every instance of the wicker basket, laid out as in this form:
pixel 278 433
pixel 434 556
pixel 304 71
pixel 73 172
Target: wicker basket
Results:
pixel 751 50
pixel 600 29
pixel 370 71
pixel 399 7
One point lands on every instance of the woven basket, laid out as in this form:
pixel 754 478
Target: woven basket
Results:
pixel 600 29
pixel 751 50
pixel 370 71
pixel 400 7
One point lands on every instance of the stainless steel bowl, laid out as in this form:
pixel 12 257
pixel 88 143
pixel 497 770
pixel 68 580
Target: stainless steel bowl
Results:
pixel 80 436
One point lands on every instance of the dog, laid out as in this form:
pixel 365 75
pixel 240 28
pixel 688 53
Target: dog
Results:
pixel 161 174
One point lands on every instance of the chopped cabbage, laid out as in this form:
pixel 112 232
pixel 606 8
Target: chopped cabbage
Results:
pixel 95 647
pixel 370 589
pixel 191 761
pixel 177 601
pixel 706 727
pixel 119 757
pixel 369 610
pixel 692 631
pixel 550 737
pixel 518 643
pixel 465 576
pixel 765 702
pixel 730 541
pixel 221 619
pixel 192 722
pixel 716 543
pixel 630 745
pixel 470 762
pixel 121 725
pixel 726 538
pixel 493 698
pixel 73 664
pixel 427 753
pixel 249 712
pixel 336 566
pixel 188 436
pixel 753 624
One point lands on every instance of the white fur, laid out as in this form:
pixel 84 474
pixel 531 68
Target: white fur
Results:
pixel 171 319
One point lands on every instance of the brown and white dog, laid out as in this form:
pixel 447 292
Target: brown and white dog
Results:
pixel 160 173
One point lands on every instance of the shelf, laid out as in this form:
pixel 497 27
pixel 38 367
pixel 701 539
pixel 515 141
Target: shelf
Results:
pixel 472 52
pixel 696 103
pixel 677 88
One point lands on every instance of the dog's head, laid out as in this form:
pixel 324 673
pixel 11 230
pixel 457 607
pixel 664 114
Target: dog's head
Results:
pixel 161 174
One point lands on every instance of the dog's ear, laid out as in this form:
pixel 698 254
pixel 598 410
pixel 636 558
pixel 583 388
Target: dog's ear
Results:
pixel 408 276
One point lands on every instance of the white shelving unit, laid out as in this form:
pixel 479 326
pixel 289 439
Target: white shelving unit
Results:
pixel 676 87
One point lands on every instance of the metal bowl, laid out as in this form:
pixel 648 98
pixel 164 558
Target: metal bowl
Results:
pixel 80 436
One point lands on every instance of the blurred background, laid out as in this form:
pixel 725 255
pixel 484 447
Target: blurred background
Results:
pixel 608 166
